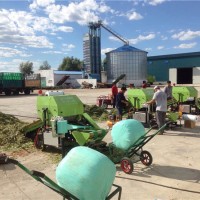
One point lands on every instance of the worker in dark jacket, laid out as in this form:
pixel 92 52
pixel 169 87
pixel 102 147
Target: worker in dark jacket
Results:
pixel 121 102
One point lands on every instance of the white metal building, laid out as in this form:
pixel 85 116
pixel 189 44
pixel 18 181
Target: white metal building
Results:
pixel 74 79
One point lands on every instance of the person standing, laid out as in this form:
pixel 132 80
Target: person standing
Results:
pixel 168 90
pixel 114 94
pixel 160 98
pixel 144 84
pixel 121 102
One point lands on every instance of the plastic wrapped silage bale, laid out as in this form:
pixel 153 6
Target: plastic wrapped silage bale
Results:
pixel 86 173
pixel 126 132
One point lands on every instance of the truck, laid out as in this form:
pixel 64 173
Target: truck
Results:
pixel 15 83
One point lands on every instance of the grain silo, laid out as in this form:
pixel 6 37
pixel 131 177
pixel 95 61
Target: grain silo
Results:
pixel 127 60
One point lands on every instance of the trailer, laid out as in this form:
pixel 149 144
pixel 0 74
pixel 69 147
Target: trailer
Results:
pixel 15 83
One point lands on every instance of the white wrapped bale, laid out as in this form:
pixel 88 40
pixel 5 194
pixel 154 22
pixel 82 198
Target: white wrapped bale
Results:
pixel 86 173
pixel 126 132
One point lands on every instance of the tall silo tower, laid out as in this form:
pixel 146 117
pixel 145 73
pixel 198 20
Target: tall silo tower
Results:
pixel 127 60
pixel 92 49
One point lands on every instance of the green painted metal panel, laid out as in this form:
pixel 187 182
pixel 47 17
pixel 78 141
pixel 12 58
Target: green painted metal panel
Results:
pixel 137 97
pixel 64 106
pixel 11 76
pixel 183 93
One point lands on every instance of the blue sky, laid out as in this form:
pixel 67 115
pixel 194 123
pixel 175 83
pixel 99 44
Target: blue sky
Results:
pixel 49 30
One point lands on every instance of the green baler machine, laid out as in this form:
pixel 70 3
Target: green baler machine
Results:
pixel 187 97
pixel 138 97
pixel 183 94
pixel 61 105
pixel 65 123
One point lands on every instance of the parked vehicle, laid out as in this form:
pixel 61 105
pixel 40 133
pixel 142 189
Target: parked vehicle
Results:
pixel 15 83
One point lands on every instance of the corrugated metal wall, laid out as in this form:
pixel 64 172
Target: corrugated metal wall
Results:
pixel 127 60
pixel 159 67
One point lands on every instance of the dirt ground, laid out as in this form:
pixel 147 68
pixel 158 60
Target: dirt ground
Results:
pixel 174 174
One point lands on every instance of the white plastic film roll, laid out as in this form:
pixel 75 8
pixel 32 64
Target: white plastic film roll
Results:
pixel 190 117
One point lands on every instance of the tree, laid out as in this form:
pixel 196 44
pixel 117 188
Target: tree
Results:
pixel 26 68
pixel 45 66
pixel 151 79
pixel 70 64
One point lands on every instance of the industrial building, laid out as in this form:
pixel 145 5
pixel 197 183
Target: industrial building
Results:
pixel 127 60
pixel 74 79
pixel 92 47
pixel 181 68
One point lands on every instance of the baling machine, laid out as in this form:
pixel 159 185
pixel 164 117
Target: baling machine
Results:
pixel 184 101
pixel 142 111
pixel 187 98
pixel 65 123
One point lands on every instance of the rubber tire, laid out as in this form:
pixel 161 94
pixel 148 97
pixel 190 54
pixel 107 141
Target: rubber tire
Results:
pixel 16 92
pixel 146 158
pixel 8 92
pixel 38 140
pixel 27 91
pixel 127 165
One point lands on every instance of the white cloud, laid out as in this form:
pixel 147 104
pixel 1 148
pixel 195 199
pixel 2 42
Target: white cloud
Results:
pixel 117 39
pixel 154 2
pixel 141 38
pixel 134 16
pixel 186 35
pixel 13 65
pixel 65 29
pixel 103 8
pixel 52 52
pixel 68 47
pixel 22 28
pixel 31 41
pixel 148 49
pixel 40 3
pixel 81 12
pixel 160 47
pixel 186 46
pixel 164 37
pixel 7 52
pixel 9 66
pixel 103 51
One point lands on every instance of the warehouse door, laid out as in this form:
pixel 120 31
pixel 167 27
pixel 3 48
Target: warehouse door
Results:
pixel 173 75
pixel 184 76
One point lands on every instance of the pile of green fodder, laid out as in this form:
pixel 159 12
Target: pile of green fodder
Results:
pixel 11 133
pixel 96 113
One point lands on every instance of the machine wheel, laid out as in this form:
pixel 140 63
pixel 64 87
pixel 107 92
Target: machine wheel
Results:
pixel 8 92
pixel 127 165
pixel 27 91
pixel 16 92
pixel 38 140
pixel 146 158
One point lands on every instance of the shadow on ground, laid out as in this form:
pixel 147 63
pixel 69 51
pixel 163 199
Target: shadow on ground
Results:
pixel 172 172
pixel 186 132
